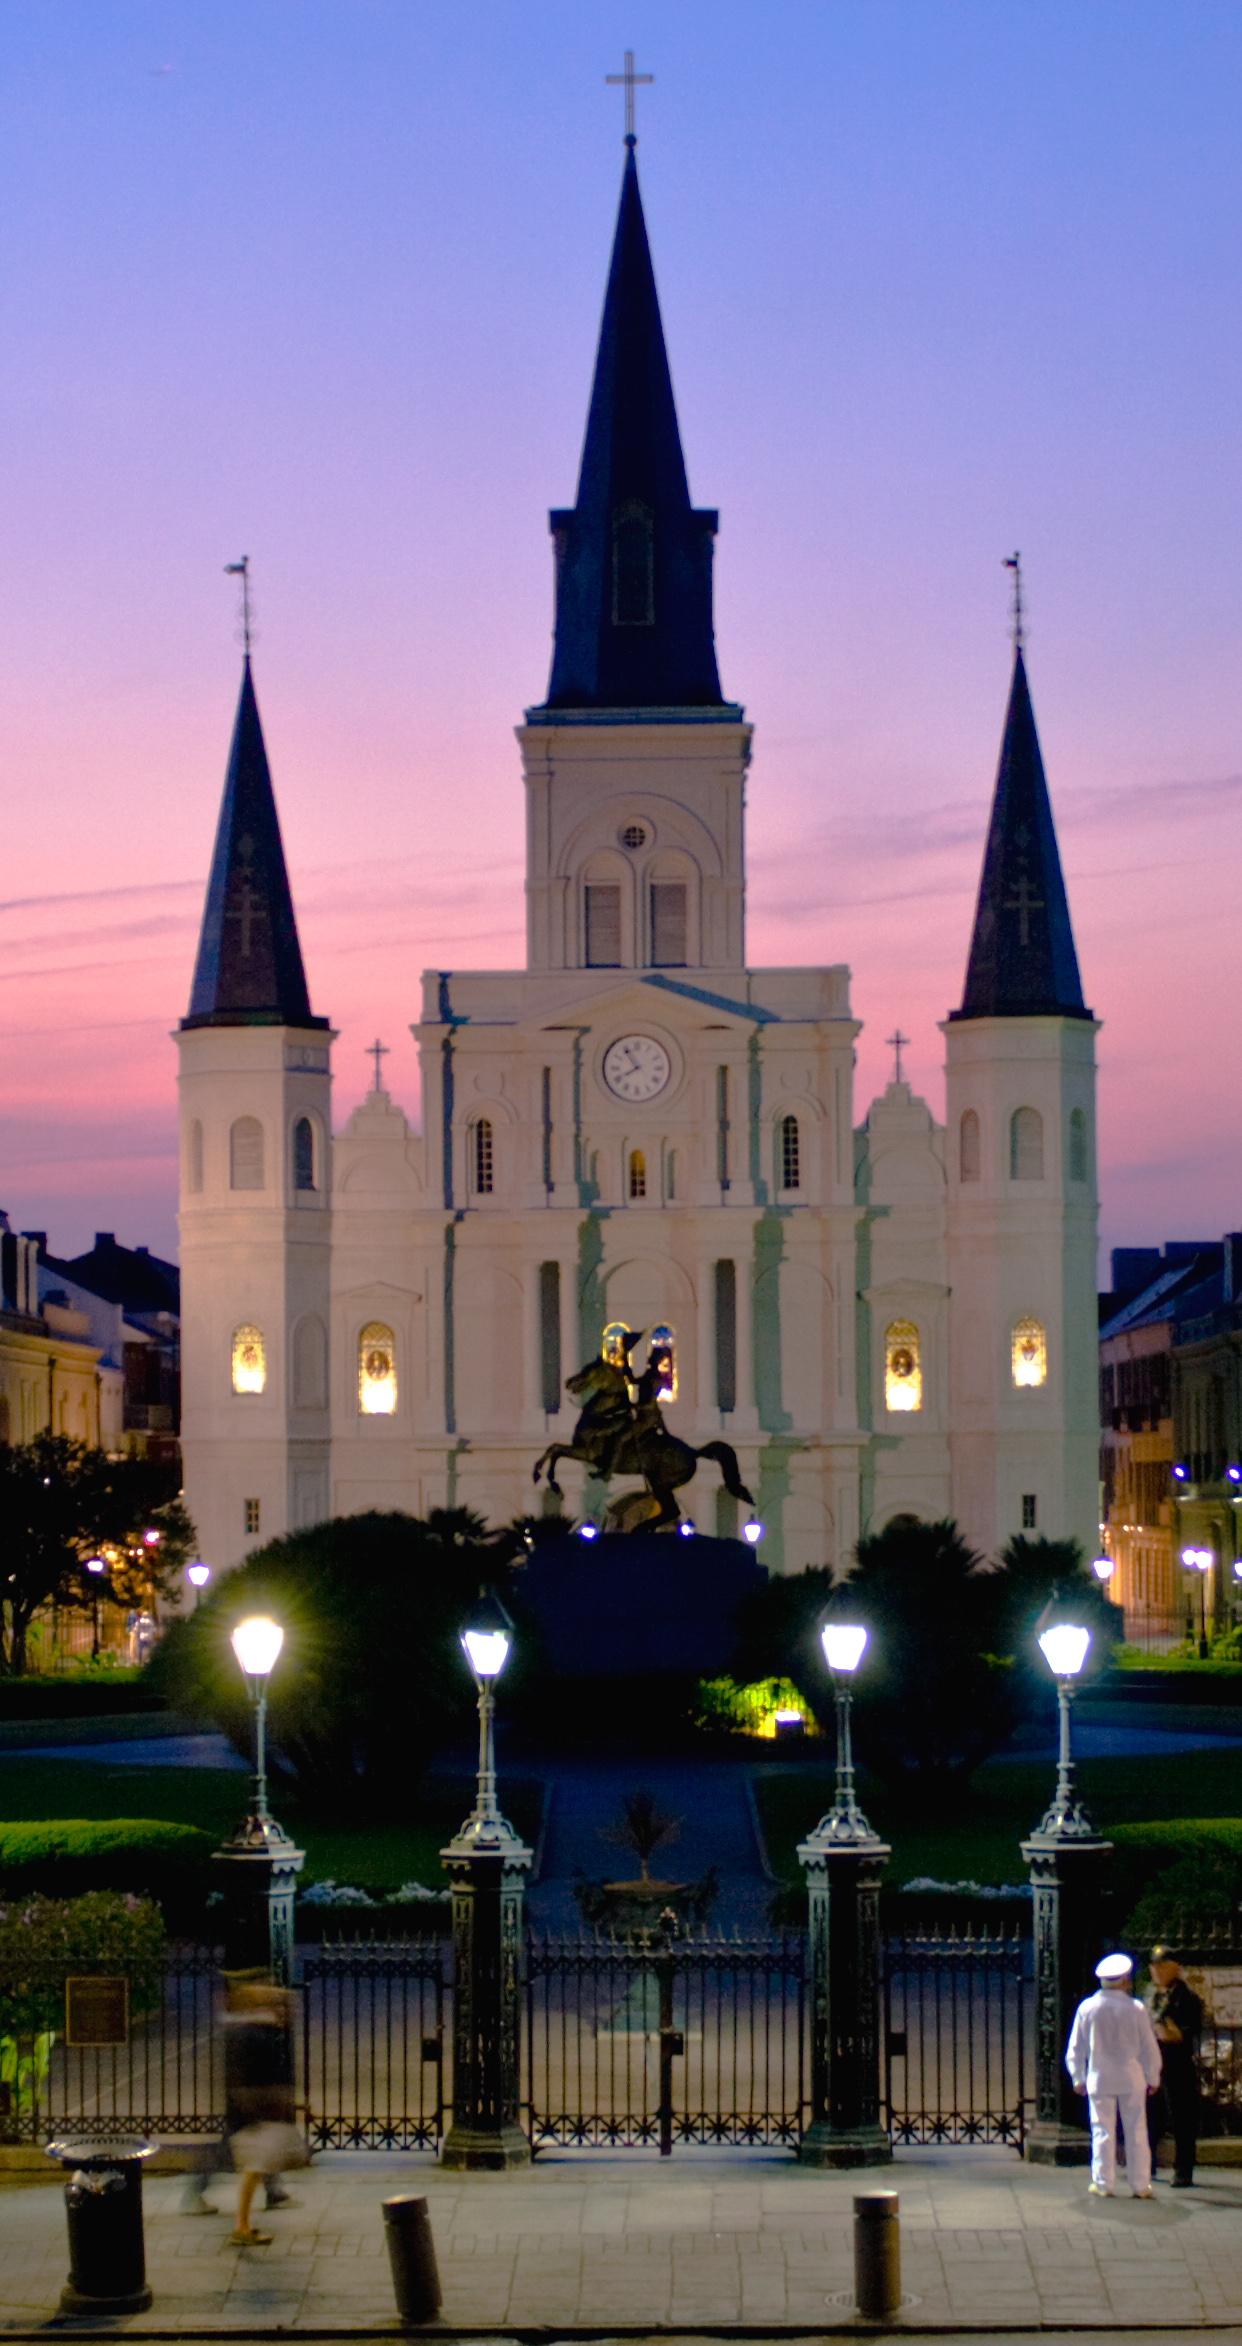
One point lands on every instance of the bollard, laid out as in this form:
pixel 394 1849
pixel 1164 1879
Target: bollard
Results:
pixel 412 2256
pixel 877 2253
pixel 103 2206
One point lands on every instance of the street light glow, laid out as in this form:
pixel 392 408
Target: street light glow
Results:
pixel 1064 1648
pixel 1197 1559
pixel 1103 1567
pixel 198 1574
pixel 487 1651
pixel 753 1531
pixel 256 1644
pixel 95 1564
pixel 844 1644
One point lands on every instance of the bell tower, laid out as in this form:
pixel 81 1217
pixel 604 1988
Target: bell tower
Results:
pixel 1021 1183
pixel 255 1188
pixel 634 763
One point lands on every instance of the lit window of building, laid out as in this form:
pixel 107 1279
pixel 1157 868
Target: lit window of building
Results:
pixel 662 1357
pixel 903 1375
pixel 377 1371
pixel 1030 1353
pixel 249 1361
pixel 612 1343
pixel 638 1174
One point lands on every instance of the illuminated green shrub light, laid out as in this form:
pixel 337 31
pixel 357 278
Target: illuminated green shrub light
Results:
pixel 754 1709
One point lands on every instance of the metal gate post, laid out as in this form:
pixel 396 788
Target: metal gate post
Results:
pixel 486 1863
pixel 843 1860
pixel 1068 1860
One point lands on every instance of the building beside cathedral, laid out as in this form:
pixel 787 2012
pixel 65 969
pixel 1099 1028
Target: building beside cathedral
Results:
pixel 638 1130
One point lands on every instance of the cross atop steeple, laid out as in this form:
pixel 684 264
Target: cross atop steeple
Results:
pixel 1017 616
pixel 376 1051
pixel 895 1043
pixel 629 78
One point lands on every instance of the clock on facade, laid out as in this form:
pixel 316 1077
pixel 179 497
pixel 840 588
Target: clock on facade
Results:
pixel 636 1067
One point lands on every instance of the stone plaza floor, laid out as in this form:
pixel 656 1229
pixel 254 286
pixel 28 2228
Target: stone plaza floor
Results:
pixel 703 2241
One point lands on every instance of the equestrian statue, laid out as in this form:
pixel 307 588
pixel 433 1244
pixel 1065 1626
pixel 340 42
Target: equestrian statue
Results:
pixel 622 1431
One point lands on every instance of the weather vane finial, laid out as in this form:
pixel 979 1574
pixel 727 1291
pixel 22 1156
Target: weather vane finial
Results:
pixel 1017 617
pixel 241 570
pixel 628 79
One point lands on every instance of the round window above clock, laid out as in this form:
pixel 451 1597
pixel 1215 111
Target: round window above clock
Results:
pixel 636 1067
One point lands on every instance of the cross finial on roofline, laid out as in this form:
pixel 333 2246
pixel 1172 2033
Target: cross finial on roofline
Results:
pixel 628 80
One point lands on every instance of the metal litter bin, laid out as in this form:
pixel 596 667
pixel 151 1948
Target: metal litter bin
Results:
pixel 103 2205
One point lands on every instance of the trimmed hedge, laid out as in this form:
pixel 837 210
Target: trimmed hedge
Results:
pixel 1176 1874
pixel 67 1857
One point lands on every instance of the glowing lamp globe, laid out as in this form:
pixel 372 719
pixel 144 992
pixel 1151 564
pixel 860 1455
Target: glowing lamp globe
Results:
pixel 844 1644
pixel 1103 1567
pixel 588 1531
pixel 752 1531
pixel 256 1644
pixel 150 1539
pixel 95 1564
pixel 487 1651
pixel 1064 1648
pixel 198 1574
pixel 687 1530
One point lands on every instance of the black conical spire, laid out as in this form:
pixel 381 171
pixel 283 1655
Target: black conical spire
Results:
pixel 633 558
pixel 1022 959
pixel 249 969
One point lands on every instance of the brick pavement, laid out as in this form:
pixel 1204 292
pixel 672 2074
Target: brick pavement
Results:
pixel 706 2239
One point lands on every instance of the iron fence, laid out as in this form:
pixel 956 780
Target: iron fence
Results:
pixel 166 2077
pixel 632 2042
pixel 375 2045
pixel 957 2014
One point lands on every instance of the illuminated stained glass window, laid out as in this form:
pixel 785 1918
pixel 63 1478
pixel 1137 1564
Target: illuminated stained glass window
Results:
pixel 1030 1353
pixel 377 1371
pixel 662 1357
pixel 638 1173
pixel 249 1361
pixel 612 1345
pixel 903 1375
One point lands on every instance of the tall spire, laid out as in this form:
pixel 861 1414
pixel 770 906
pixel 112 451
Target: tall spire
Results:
pixel 633 557
pixel 1022 959
pixel 249 969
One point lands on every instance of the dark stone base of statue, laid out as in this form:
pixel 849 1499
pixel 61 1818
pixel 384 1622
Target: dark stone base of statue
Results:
pixel 622 1607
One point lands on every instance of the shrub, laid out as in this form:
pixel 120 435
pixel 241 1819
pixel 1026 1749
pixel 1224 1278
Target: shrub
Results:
pixel 371 1678
pixel 67 1857
pixel 45 1941
pixel 1176 1877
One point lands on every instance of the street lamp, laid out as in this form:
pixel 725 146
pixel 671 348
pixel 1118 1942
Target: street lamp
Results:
pixel 1200 1560
pixel 486 1861
pixel 753 1531
pixel 1103 1568
pixel 843 1860
pixel 257 1643
pixel 198 1574
pixel 1066 1857
pixel 95 1565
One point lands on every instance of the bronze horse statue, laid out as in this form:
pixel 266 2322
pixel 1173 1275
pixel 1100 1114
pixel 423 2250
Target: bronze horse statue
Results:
pixel 613 1436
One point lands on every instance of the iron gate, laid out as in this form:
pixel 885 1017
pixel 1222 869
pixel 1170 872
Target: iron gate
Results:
pixel 957 2018
pixel 681 2040
pixel 375 2045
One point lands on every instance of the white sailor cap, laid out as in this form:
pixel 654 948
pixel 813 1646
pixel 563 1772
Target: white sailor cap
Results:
pixel 1113 1967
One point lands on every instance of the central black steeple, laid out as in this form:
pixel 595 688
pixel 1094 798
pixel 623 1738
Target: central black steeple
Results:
pixel 1022 959
pixel 633 557
pixel 249 968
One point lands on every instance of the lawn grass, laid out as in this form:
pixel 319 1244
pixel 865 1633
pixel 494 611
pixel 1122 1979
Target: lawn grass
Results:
pixel 977 1839
pixel 373 1856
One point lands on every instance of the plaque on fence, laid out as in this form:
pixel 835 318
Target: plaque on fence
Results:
pixel 96 2011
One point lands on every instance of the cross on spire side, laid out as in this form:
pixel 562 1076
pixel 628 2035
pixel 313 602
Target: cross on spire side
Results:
pixel 629 81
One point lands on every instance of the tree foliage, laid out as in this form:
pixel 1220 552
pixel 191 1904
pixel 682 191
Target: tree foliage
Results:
pixel 371 1678
pixel 951 1663
pixel 642 1828
pixel 62 1502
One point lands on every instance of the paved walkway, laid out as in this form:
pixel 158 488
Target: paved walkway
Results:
pixel 702 2239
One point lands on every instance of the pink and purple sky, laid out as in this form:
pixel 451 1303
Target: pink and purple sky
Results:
pixel 320 283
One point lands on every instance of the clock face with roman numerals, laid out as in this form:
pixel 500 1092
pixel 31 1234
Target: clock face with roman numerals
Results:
pixel 636 1067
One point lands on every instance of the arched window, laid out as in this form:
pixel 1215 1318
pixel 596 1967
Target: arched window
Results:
pixel 638 1173
pixel 1079 1169
pixel 672 1174
pixel 668 924
pixel 377 1371
pixel 246 1154
pixel 1029 1353
pixel 968 1160
pixel 903 1376
pixel 662 1357
pixel 482 1157
pixel 603 924
pixel 304 1154
pixel 612 1344
pixel 791 1165
pixel 1026 1145
pixel 249 1360
pixel 633 566
pixel 194 1159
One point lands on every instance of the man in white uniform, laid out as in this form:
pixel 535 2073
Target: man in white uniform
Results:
pixel 1113 2058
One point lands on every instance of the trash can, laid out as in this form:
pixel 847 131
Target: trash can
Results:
pixel 103 2204
pixel 412 2256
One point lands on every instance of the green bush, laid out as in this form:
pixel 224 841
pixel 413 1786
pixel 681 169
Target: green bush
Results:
pixel 45 1941
pixel 1176 1877
pixel 71 1856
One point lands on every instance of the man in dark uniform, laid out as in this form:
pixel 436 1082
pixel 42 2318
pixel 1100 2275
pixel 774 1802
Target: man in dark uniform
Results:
pixel 1177 2016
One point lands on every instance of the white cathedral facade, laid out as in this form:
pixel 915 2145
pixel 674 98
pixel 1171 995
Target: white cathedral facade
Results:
pixel 637 1130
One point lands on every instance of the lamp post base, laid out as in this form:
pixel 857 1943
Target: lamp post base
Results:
pixel 824 2145
pixel 484 2150
pixel 1051 2143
